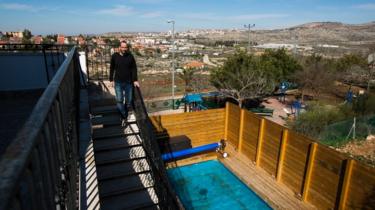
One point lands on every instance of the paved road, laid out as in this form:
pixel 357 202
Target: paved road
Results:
pixel 207 61
pixel 279 114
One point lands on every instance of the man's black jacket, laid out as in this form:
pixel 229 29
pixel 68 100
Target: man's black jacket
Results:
pixel 123 68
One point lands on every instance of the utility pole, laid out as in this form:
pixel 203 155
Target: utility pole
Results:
pixel 249 26
pixel 173 59
pixel 295 40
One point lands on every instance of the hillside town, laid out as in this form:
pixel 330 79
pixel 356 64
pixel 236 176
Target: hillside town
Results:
pixel 159 104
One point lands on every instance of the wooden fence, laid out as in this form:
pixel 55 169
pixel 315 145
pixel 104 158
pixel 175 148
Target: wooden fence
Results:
pixel 316 173
pixel 201 127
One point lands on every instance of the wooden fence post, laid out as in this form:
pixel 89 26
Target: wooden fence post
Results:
pixel 240 136
pixel 260 141
pixel 281 155
pixel 310 166
pixel 226 121
pixel 346 183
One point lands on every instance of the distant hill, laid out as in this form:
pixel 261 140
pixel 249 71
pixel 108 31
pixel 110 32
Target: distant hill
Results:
pixel 310 33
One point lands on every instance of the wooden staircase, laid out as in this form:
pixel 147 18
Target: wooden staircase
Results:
pixel 123 172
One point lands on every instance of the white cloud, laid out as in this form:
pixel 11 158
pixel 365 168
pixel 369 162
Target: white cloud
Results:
pixel 149 1
pixel 119 10
pixel 257 16
pixel 18 7
pixel 152 15
pixel 213 17
pixel 365 6
pixel 200 16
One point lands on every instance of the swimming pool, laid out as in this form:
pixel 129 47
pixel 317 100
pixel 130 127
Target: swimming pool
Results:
pixel 209 185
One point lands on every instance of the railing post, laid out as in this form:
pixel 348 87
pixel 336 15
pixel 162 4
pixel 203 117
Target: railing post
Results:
pixel 281 155
pixel 240 136
pixel 310 166
pixel 87 62
pixel 45 64
pixel 260 141
pixel 346 183
pixel 226 121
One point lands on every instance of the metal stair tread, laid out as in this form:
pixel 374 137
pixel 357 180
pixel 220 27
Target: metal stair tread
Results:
pixel 104 109
pixel 117 143
pixel 119 155
pixel 133 200
pixel 114 170
pixel 106 120
pixel 125 184
pixel 150 207
pixel 102 102
pixel 112 131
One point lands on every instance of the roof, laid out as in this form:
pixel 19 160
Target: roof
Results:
pixel 194 64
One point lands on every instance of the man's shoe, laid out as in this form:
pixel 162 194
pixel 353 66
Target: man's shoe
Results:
pixel 124 119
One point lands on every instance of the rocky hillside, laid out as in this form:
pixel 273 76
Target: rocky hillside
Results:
pixel 311 34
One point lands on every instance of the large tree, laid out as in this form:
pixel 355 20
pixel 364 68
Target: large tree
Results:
pixel 187 74
pixel 283 65
pixel 352 68
pixel 317 75
pixel 243 77
pixel 26 36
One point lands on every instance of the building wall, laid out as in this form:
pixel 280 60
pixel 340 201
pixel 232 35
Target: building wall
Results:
pixel 24 70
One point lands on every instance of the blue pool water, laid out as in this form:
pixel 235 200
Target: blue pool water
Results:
pixel 209 185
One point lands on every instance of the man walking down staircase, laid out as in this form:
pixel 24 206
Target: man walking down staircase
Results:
pixel 123 173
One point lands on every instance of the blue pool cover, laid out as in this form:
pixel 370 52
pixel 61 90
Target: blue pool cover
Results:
pixel 209 185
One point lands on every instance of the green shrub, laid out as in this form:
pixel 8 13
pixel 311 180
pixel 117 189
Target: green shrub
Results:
pixel 317 116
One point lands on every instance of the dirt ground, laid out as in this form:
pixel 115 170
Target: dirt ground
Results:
pixel 363 150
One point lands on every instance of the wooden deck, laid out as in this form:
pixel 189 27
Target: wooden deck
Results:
pixel 275 194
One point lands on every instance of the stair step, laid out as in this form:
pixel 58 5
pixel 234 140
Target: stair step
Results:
pixel 114 119
pixel 102 102
pixel 129 168
pixel 133 200
pixel 119 155
pixel 104 110
pixel 113 131
pixel 121 185
pixel 150 207
pixel 117 143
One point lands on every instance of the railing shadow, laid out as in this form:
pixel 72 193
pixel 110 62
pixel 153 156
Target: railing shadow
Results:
pixel 166 195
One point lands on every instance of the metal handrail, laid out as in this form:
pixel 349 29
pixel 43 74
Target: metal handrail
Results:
pixel 33 47
pixel 39 167
pixel 167 197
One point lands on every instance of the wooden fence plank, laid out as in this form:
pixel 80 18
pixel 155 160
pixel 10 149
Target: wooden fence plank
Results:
pixel 226 120
pixel 260 142
pixel 310 166
pixel 282 155
pixel 346 183
pixel 240 136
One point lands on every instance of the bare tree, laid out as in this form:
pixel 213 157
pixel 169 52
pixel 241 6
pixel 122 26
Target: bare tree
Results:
pixel 316 76
pixel 243 77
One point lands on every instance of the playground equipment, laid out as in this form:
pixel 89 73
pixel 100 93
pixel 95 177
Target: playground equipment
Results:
pixel 283 87
pixel 194 102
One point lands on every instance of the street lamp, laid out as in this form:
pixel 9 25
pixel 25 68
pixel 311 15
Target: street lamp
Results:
pixel 173 60
pixel 249 26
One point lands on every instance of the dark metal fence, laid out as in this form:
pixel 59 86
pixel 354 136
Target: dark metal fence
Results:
pixel 39 168
pixel 98 59
pixel 167 197
pixel 53 54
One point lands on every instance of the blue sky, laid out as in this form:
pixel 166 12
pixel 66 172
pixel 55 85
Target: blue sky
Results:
pixel 98 16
